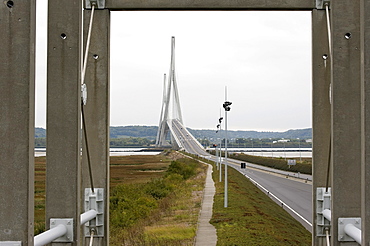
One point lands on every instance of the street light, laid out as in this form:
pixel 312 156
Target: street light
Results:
pixel 220 152
pixel 227 108
pixel 300 155
pixel 272 153
pixel 217 159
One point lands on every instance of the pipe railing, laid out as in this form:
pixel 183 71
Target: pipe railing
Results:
pixel 60 230
pixel 353 232
pixel 327 214
pixel 50 235
pixel 87 216
pixel 350 229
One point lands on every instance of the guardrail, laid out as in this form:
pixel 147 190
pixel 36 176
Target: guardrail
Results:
pixel 61 230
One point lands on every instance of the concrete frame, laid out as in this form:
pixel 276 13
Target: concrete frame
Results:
pixel 97 111
pixel 321 122
pixel 346 114
pixel 348 124
pixel 17 110
pixel 63 169
pixel 365 124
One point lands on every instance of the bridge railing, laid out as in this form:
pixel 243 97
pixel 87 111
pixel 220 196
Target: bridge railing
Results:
pixel 61 229
pixel 349 229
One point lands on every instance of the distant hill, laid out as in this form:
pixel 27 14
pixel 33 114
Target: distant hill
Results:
pixel 150 132
pixel 299 133
pixel 40 132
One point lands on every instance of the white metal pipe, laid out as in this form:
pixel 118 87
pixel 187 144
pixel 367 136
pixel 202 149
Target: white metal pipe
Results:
pixel 87 216
pixel 91 238
pixel 327 214
pixel 353 232
pixel 50 235
pixel 87 45
pixel 327 237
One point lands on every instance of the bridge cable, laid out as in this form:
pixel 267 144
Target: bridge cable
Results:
pixel 87 44
pixel 328 170
pixel 327 237
pixel 83 99
pixel 329 31
pixel 331 62
pixel 91 237
pixel 87 147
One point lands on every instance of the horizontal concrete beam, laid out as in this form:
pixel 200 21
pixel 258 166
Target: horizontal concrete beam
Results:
pixel 210 4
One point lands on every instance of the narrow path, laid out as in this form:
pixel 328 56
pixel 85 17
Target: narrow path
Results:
pixel 206 233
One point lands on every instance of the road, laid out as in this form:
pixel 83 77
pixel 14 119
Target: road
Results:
pixel 292 189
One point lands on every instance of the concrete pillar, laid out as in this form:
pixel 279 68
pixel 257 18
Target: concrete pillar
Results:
pixel 17 110
pixel 365 127
pixel 320 109
pixel 346 114
pixel 97 111
pixel 64 113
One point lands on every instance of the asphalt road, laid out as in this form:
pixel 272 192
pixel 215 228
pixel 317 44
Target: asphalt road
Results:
pixel 293 190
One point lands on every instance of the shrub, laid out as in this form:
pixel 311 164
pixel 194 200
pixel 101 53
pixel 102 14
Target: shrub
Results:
pixel 185 167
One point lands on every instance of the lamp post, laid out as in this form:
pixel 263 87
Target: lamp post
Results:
pixel 300 155
pixel 226 106
pixel 252 147
pixel 272 153
pixel 217 148
pixel 261 146
pixel 220 152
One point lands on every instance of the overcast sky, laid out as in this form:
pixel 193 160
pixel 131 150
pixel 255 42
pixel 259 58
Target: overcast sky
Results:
pixel 264 59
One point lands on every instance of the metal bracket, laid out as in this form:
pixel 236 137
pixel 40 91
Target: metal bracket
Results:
pixel 95 201
pixel 11 243
pixel 320 4
pixel 84 93
pixel 342 222
pixel 99 4
pixel 323 201
pixel 68 223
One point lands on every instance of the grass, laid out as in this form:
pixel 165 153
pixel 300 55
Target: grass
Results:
pixel 170 218
pixel 251 218
pixel 169 206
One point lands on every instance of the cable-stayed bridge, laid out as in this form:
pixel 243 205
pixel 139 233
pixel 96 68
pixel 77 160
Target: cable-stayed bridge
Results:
pixel 171 122
pixel 341 139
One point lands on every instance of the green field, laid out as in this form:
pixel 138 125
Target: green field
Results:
pixel 155 200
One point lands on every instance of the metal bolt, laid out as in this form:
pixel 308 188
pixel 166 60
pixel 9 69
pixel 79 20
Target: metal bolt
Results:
pixel 340 221
pixel 53 222
pixel 68 222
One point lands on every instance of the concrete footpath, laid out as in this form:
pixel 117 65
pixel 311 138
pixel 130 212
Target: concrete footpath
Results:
pixel 206 233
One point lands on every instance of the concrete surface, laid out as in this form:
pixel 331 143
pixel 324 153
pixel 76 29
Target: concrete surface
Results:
pixel 206 233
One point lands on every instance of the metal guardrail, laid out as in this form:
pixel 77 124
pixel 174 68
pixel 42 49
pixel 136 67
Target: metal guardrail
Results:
pixel 61 230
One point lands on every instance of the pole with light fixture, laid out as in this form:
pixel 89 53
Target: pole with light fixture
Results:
pixel 226 106
pixel 220 152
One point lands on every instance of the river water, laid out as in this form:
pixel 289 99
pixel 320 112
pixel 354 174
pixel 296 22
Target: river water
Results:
pixel 267 152
pixel 113 152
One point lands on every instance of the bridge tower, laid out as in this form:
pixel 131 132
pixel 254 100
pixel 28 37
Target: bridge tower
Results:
pixel 170 105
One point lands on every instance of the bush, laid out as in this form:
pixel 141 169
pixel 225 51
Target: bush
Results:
pixel 185 167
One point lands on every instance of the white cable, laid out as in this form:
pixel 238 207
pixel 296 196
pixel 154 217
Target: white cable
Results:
pixel 91 237
pixel 87 45
pixel 329 31
pixel 327 238
pixel 330 48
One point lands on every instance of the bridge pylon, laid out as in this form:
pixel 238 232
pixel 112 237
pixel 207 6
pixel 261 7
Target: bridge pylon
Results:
pixel 170 104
